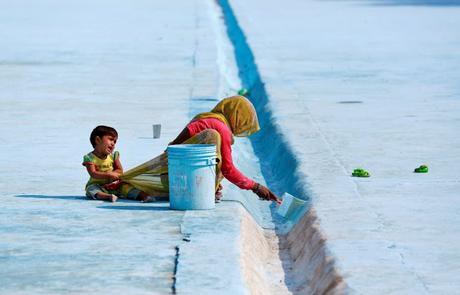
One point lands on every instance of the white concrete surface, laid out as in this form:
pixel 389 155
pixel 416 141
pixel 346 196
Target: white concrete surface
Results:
pixel 65 68
pixel 396 232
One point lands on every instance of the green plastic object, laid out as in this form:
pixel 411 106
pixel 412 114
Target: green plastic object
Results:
pixel 243 92
pixel 359 172
pixel 421 169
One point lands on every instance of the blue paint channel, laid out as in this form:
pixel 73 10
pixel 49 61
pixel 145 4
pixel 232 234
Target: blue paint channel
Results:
pixel 279 164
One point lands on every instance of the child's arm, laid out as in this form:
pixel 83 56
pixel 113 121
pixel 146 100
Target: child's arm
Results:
pixel 91 168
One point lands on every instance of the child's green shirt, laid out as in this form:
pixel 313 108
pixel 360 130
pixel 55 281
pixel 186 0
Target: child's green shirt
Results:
pixel 102 165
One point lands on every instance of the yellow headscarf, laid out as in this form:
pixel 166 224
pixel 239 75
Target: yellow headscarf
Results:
pixel 238 113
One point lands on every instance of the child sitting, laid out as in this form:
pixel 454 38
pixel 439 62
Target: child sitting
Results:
pixel 104 166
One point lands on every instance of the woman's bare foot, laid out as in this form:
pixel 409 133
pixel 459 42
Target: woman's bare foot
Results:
pixel 219 195
pixel 147 199
pixel 144 198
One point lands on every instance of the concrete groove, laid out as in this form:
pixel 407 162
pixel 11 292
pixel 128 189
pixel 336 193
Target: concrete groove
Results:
pixel 395 211
pixel 176 263
pixel 324 277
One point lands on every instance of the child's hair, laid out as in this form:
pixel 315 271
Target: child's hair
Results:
pixel 101 131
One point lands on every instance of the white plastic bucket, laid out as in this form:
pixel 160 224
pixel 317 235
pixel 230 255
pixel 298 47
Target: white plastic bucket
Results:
pixel 192 176
pixel 290 206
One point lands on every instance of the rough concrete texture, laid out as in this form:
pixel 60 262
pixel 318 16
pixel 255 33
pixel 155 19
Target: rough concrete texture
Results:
pixel 262 258
pixel 65 68
pixel 337 84
pixel 369 84
pixel 314 267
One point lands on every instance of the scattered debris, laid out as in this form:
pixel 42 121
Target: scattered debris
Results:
pixel 350 101
pixel 243 92
pixel 421 169
pixel 359 172
pixel 186 238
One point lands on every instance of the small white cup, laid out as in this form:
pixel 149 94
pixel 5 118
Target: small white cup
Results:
pixel 156 130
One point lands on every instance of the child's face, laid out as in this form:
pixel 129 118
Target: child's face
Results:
pixel 105 144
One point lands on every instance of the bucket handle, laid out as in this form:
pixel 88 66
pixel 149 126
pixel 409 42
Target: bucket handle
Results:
pixel 212 161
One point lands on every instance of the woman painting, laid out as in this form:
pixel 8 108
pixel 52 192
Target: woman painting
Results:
pixel 232 116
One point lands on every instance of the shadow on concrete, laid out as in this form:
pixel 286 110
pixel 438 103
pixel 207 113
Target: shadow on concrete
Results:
pixel 416 2
pixel 52 197
pixel 444 3
pixel 279 164
pixel 137 208
pixel 204 98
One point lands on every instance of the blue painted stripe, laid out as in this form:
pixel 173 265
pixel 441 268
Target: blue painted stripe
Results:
pixel 280 166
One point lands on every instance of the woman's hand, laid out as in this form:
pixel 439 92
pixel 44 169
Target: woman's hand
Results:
pixel 264 193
